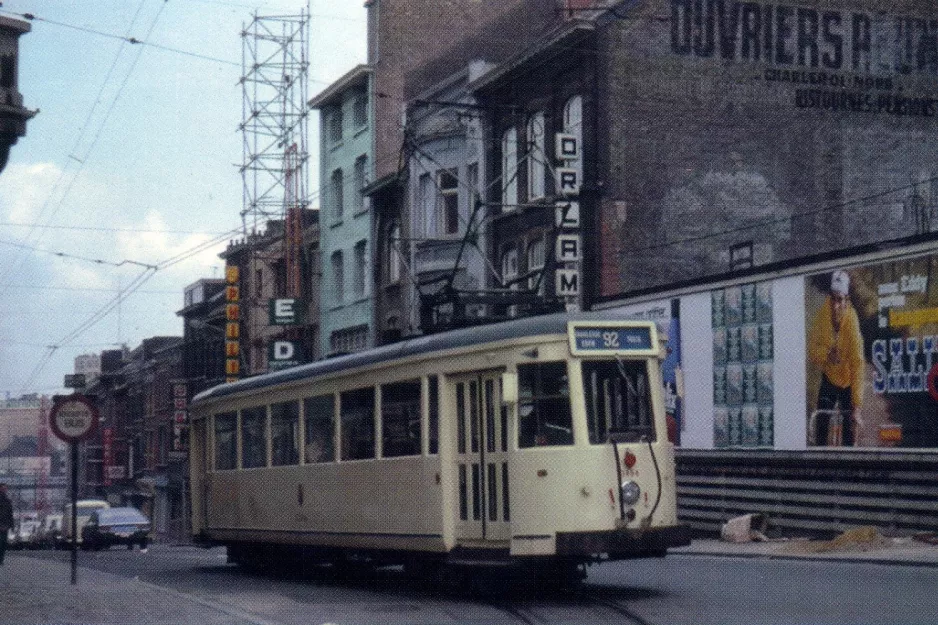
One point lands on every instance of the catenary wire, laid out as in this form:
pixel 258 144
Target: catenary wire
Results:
pixel 13 267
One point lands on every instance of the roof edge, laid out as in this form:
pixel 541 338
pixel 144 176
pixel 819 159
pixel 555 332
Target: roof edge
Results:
pixel 350 79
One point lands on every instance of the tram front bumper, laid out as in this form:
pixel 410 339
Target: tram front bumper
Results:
pixel 623 543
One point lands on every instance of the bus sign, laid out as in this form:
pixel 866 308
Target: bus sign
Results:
pixel 625 338
pixel 73 418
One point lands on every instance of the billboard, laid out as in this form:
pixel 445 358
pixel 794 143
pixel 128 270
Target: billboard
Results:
pixel 743 366
pixel 872 355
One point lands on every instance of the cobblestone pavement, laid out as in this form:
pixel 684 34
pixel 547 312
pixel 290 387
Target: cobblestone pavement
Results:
pixel 34 591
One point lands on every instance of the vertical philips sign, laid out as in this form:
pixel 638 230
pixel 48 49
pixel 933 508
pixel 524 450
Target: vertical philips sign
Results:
pixel 232 324
pixel 569 244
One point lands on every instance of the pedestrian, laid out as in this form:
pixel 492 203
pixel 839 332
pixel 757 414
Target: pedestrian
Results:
pixel 836 348
pixel 6 519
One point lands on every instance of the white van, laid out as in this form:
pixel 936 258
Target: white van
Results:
pixel 85 507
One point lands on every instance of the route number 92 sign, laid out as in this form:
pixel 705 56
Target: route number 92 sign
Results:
pixel 626 338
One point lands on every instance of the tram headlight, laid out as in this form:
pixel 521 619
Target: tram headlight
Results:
pixel 630 492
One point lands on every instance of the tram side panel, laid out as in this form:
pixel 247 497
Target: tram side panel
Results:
pixel 369 504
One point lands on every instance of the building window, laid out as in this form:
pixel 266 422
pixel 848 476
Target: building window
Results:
pixel 509 169
pixel 573 125
pixel 337 184
pixel 254 438
pixel 536 263
pixel 358 424
pixel 335 125
pixel 285 433
pixel 393 258
pixel 536 156
pixel 361 269
pixel 349 340
pixel 400 419
pixel 360 110
pixel 510 266
pixel 448 202
pixel 226 441
pixel 338 277
pixel 509 273
pixel 361 180
pixel 424 206
pixel 320 429
pixel 472 181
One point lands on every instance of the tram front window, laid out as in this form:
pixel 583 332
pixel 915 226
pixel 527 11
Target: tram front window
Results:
pixel 618 400
pixel 544 416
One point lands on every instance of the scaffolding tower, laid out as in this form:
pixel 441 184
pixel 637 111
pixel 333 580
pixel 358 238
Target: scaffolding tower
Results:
pixel 275 166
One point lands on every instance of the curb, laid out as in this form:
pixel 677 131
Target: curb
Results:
pixel 808 558
pixel 208 603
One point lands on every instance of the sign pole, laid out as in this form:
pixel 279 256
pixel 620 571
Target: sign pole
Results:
pixel 72 419
pixel 74 520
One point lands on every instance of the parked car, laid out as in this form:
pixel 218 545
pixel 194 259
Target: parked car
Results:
pixel 116 526
pixel 85 508
pixel 50 534
pixel 27 531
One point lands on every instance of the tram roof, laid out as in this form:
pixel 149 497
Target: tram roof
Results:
pixel 454 339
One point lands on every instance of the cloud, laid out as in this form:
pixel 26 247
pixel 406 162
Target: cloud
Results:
pixel 151 244
pixel 24 189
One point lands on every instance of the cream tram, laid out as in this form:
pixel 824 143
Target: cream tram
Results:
pixel 538 441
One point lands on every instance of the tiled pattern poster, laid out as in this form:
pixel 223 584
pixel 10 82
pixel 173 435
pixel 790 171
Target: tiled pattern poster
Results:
pixel 743 366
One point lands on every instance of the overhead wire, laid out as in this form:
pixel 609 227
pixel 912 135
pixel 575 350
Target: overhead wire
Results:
pixel 142 278
pixel 15 224
pixel 789 218
pixel 98 261
pixel 13 267
pixel 126 39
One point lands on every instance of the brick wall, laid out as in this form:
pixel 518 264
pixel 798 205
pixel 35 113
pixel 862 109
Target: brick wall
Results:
pixel 409 35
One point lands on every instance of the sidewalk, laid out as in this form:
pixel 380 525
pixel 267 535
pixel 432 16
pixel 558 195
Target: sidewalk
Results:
pixel 881 550
pixel 33 590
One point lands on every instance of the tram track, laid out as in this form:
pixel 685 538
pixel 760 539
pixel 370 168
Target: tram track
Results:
pixel 519 614
pixel 592 598
pixel 619 609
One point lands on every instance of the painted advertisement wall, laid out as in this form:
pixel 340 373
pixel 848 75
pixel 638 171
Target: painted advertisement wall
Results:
pixel 872 355
pixel 747 133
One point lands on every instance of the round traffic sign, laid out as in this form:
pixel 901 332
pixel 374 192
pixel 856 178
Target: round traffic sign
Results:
pixel 73 418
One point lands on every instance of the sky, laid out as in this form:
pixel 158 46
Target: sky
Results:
pixel 131 162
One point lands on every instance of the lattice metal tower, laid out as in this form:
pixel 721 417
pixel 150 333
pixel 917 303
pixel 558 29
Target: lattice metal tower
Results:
pixel 275 166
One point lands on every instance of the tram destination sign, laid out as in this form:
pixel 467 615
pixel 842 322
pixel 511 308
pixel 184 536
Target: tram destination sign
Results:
pixel 611 338
pixel 73 418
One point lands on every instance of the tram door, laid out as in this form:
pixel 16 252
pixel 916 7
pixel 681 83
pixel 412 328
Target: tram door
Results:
pixel 481 457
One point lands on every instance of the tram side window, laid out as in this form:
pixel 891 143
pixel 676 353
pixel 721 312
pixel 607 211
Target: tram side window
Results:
pixel 254 438
pixel 433 427
pixel 226 441
pixel 285 433
pixel 544 416
pixel 320 428
pixel 358 424
pixel 618 400
pixel 400 419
